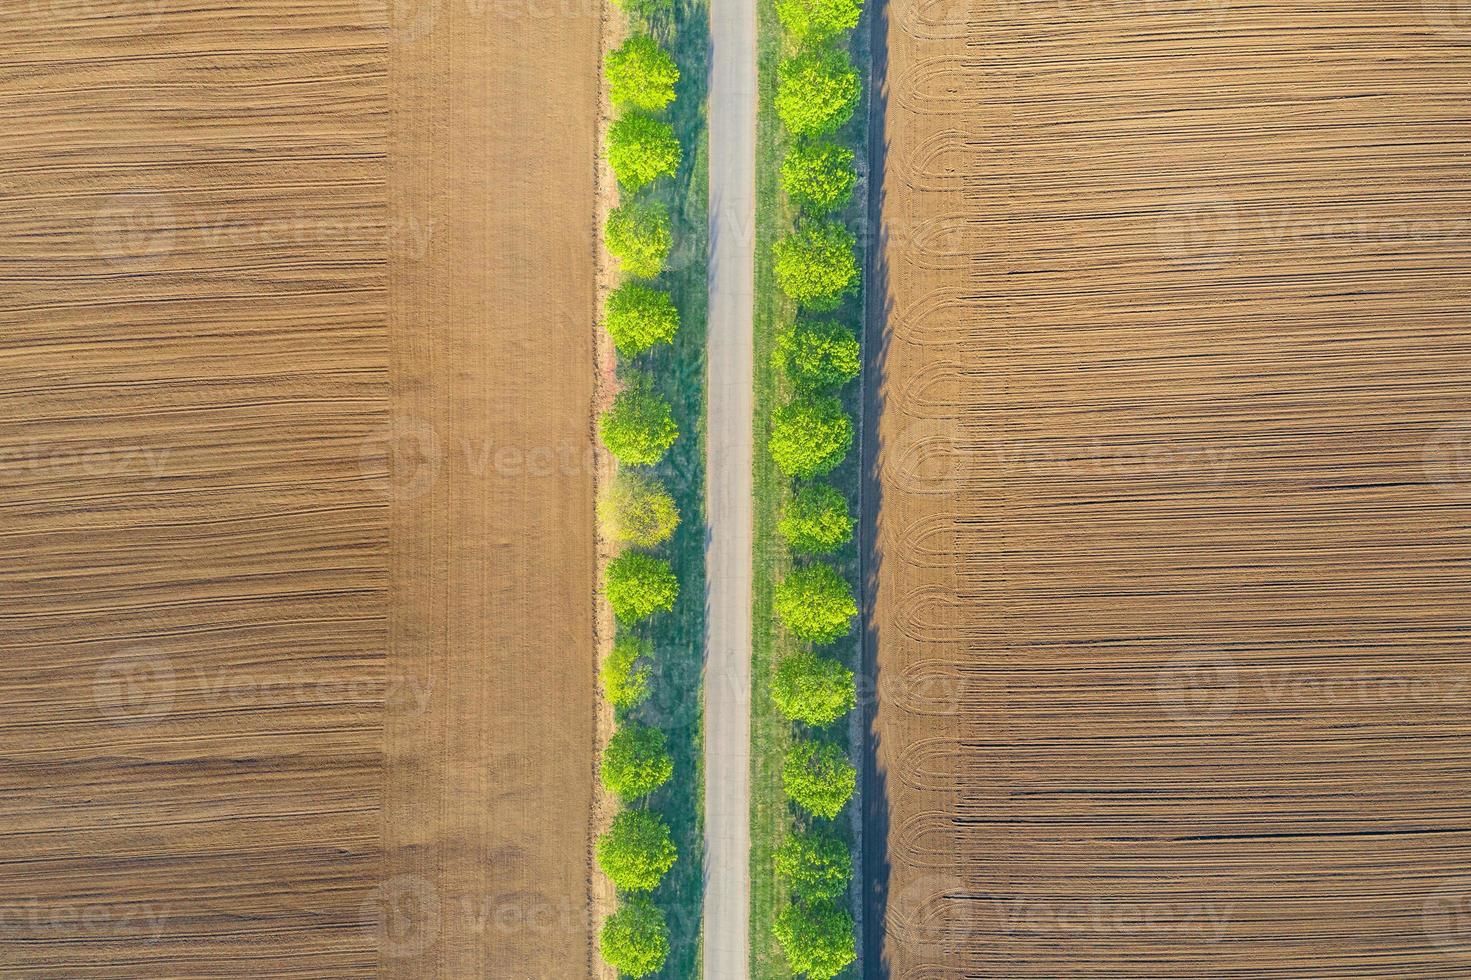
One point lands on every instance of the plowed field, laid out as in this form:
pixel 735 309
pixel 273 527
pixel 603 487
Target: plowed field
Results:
pixel 1173 513
pixel 296 536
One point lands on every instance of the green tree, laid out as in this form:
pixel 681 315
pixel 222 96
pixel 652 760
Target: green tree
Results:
pixel 817 20
pixel 635 939
pixel 641 74
pixel 644 9
pixel 816 520
pixel 626 672
pixel 816 91
pixel 636 509
pixel 636 762
pixel 812 689
pixel 818 777
pixel 639 427
pixel 817 938
pixel 637 851
pixel 819 175
pixel 638 236
pixel 817 353
pixel 638 317
pixel 809 435
pixel 816 603
pixel 640 585
pixel 816 265
pixel 641 149
pixel 816 862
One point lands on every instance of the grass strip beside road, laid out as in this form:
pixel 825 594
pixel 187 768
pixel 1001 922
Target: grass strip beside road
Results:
pixel 772 817
pixel 679 373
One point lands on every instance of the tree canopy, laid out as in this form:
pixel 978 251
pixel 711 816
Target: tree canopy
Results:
pixel 641 149
pixel 817 20
pixel 818 175
pixel 635 939
pixel 816 863
pixel 813 689
pixel 817 938
pixel 638 235
pixel 818 777
pixel 636 761
pixel 641 75
pixel 644 9
pixel 816 603
pixel 816 265
pixel 640 585
pixel 810 435
pixel 817 353
pixel 626 672
pixel 636 509
pixel 816 91
pixel 637 851
pixel 816 520
pixel 638 317
pixel 639 427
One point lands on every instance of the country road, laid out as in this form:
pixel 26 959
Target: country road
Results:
pixel 732 124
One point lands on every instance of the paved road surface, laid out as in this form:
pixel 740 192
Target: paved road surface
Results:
pixel 728 557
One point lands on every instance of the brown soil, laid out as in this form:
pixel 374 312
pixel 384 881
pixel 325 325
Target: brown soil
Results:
pixel 1168 573
pixel 296 476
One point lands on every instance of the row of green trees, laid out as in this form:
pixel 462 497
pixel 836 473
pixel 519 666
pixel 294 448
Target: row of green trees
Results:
pixel 818 90
pixel 636 511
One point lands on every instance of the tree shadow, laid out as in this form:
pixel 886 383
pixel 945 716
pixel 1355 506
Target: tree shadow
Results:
pixel 875 864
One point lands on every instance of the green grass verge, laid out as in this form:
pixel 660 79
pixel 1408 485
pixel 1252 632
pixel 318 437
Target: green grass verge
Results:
pixel 772 817
pixel 770 733
pixel 676 702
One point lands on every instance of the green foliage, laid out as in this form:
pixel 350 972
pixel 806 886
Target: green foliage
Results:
pixel 636 509
pixel 640 585
pixel 815 603
pixel 817 938
pixel 644 9
pixel 627 672
pixel 638 317
pixel 813 689
pixel 637 851
pixel 638 236
pixel 816 92
pixel 639 428
pixel 636 762
pixel 818 777
pixel 818 20
pixel 819 175
pixel 817 353
pixel 641 149
pixel 635 939
pixel 816 265
pixel 816 862
pixel 810 435
pixel 816 520
pixel 641 74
